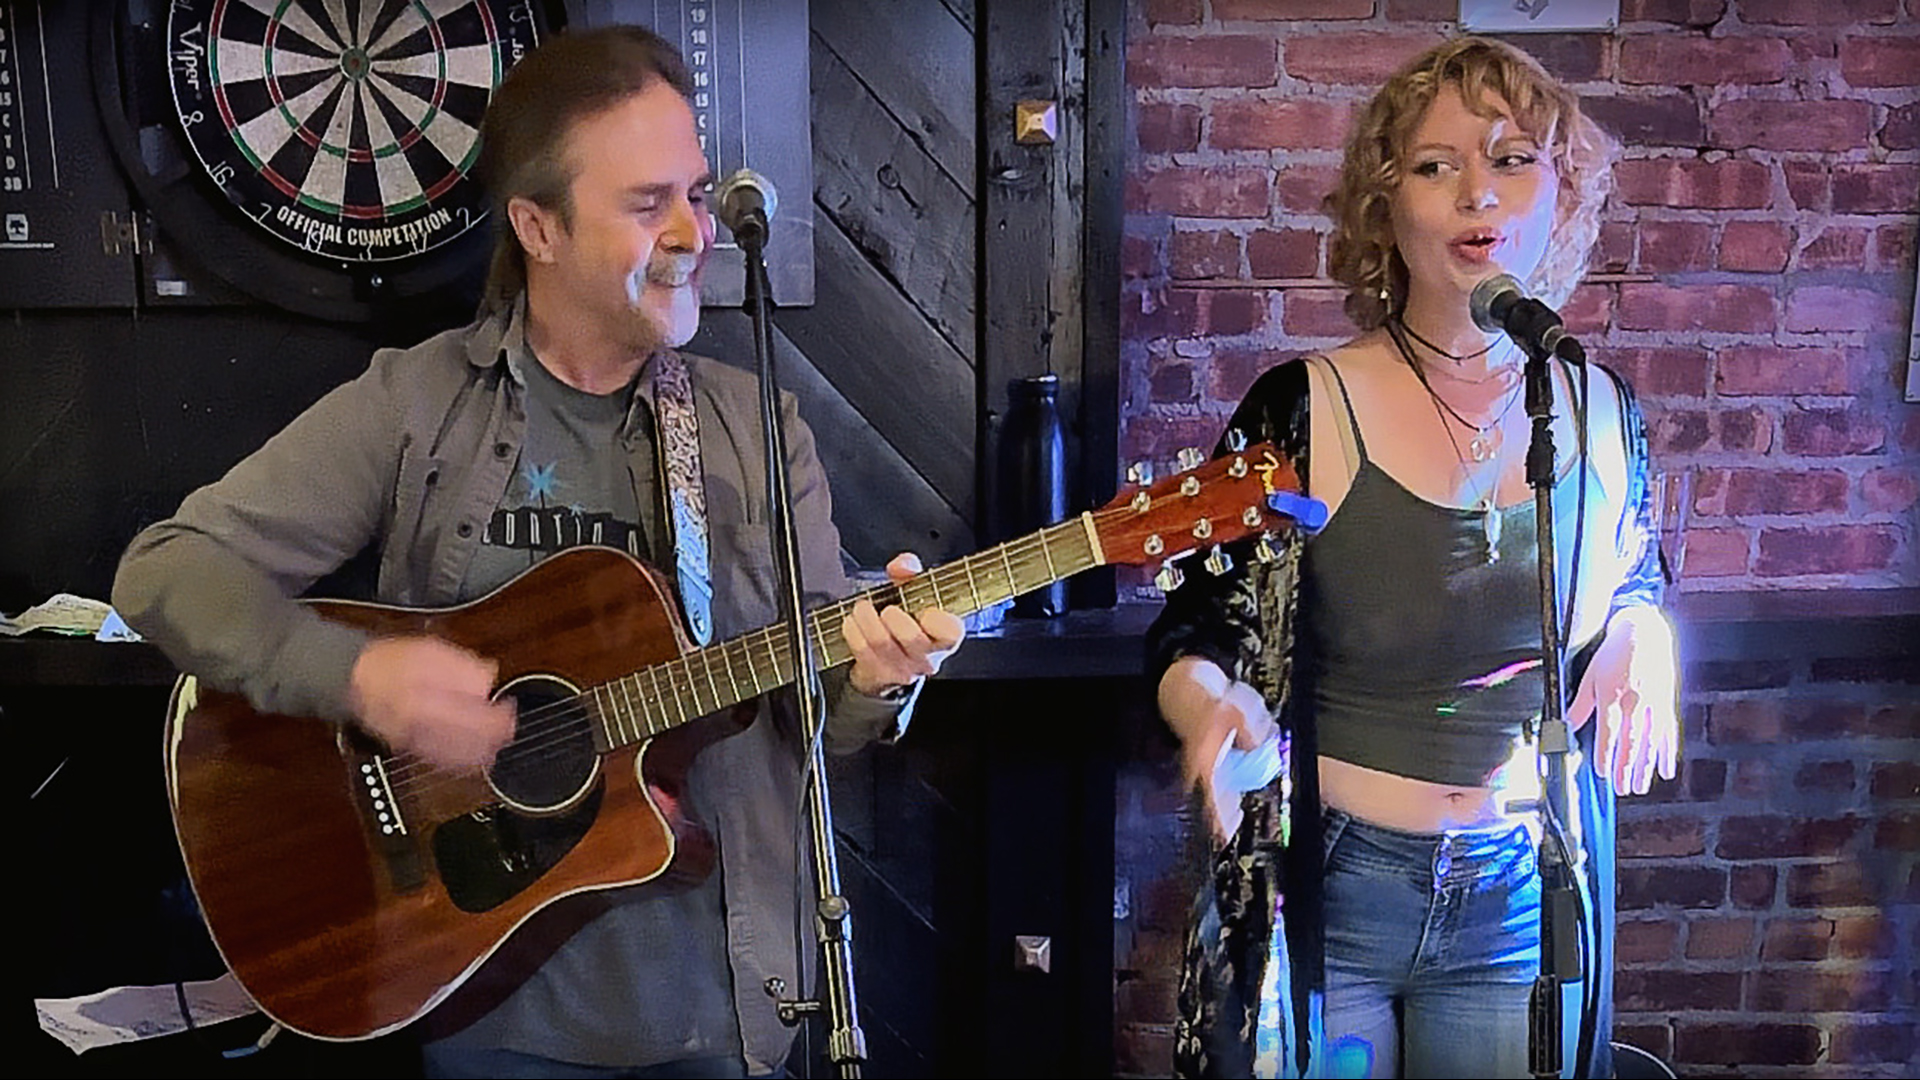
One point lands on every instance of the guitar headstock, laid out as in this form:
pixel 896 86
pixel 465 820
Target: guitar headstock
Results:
pixel 1205 503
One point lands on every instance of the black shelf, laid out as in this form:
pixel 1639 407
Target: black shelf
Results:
pixel 1864 624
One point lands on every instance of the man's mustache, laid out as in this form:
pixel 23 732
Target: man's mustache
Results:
pixel 672 270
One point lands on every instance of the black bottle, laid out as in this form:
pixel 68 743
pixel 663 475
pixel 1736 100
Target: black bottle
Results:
pixel 1033 471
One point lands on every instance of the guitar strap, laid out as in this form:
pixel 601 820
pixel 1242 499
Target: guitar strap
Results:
pixel 679 451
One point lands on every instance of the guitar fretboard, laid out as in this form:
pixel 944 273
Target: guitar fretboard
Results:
pixel 705 681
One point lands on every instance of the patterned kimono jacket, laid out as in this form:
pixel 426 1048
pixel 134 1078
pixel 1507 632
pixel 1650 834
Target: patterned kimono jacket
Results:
pixel 1252 980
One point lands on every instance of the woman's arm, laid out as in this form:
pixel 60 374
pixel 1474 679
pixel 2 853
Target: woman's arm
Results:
pixel 1207 648
pixel 1632 683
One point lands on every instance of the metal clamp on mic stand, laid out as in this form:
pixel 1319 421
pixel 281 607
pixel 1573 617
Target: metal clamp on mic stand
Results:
pixel 1499 304
pixel 746 201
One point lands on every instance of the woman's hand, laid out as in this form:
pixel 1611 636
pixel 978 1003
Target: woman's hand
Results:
pixel 1229 743
pixel 1633 687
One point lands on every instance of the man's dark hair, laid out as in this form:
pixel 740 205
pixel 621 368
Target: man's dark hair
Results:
pixel 523 136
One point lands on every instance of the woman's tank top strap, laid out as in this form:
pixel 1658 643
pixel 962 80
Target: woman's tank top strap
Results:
pixel 1353 423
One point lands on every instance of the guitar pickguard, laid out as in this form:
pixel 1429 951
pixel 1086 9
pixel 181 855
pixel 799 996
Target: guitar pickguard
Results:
pixel 489 856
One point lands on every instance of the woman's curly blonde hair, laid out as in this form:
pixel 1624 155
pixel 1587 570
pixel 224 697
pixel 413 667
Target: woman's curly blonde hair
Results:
pixel 1361 253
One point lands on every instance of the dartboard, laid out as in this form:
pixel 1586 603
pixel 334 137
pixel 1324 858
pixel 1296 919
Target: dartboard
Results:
pixel 346 128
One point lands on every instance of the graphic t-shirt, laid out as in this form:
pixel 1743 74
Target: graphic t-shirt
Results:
pixel 670 994
pixel 575 483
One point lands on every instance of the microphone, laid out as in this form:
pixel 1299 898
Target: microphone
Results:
pixel 1499 303
pixel 746 203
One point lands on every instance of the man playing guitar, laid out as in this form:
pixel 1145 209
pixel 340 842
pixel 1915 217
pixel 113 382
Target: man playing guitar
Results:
pixel 563 416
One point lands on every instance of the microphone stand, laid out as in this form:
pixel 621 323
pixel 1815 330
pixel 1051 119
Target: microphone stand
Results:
pixel 846 1043
pixel 1559 898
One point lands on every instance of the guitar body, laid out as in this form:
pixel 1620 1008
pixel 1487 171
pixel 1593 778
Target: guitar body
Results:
pixel 342 925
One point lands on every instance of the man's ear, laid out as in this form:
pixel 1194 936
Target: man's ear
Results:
pixel 537 228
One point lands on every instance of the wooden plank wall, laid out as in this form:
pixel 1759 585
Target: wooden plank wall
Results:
pixel 1050 217
pixel 952 260
pixel 883 362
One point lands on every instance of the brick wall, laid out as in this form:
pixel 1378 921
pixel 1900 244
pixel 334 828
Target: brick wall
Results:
pixel 1754 278
pixel 1755 281
pixel 1769 896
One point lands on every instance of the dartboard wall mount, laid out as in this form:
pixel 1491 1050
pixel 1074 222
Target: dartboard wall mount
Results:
pixel 313 154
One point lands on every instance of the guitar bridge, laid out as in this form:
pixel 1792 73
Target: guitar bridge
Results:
pixel 381 805
pixel 386 825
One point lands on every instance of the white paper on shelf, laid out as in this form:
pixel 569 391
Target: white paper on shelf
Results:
pixel 130 1013
pixel 62 613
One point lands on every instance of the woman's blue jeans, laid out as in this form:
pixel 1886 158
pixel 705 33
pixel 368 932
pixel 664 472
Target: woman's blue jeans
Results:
pixel 1432 946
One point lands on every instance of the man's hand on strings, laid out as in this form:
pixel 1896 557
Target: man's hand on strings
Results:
pixel 423 696
pixel 892 648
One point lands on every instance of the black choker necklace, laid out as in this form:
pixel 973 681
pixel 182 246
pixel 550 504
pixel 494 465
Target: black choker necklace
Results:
pixel 1485 438
pixel 1458 358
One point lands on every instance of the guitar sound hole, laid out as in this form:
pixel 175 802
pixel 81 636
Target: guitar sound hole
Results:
pixel 551 759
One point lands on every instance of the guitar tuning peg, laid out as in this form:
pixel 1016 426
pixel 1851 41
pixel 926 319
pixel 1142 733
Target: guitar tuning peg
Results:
pixel 1169 578
pixel 1263 549
pixel 1189 458
pixel 1236 440
pixel 1218 561
pixel 1140 472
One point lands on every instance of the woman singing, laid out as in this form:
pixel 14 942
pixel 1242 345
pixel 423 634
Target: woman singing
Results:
pixel 1358 713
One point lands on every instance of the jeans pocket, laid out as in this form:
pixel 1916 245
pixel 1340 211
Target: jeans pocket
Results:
pixel 1332 824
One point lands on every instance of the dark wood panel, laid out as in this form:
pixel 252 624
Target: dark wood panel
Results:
pixel 894 201
pixel 1098 416
pixel 961 9
pixel 917 61
pixel 905 380
pixel 1066 297
pixel 108 419
pixel 881 503
pixel 1021 264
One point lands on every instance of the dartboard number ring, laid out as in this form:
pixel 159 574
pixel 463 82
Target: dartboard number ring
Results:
pixel 345 128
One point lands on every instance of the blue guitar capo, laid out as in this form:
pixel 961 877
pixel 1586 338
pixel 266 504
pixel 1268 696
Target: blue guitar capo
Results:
pixel 1306 511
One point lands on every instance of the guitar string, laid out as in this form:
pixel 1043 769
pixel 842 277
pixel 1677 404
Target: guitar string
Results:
pixel 712 663
pixel 548 724
pixel 561 719
pixel 556 721
pixel 541 728
pixel 565 719
pixel 772 640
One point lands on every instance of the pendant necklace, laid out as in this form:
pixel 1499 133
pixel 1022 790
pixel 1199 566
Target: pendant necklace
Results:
pixel 1481 448
pixel 1491 518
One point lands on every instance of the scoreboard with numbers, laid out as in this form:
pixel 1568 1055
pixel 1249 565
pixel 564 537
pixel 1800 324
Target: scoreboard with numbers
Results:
pixel 66 233
pixel 749 63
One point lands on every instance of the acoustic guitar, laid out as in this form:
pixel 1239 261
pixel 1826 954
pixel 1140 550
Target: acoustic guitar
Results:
pixel 351 889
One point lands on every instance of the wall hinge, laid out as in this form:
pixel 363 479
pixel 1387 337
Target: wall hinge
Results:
pixel 124 234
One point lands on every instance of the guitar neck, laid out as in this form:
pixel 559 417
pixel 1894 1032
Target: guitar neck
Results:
pixel 705 681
